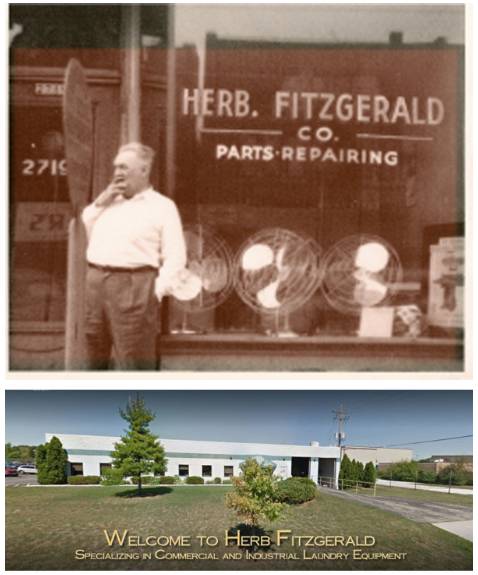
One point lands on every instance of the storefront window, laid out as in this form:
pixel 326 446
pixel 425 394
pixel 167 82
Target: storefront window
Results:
pixel 312 174
pixel 40 212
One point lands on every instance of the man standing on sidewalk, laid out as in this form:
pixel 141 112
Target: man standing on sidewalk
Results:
pixel 135 249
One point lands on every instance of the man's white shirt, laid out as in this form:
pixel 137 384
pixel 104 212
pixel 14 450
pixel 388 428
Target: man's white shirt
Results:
pixel 142 231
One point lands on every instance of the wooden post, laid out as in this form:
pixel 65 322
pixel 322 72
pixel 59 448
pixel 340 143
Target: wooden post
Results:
pixel 78 125
pixel 75 297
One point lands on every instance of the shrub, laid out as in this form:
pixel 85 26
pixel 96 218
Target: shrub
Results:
pixel 227 482
pixel 168 480
pixel 84 480
pixel 112 476
pixel 217 480
pixel 426 476
pixel 457 472
pixel 254 497
pixel 402 471
pixel 296 490
pixel 194 480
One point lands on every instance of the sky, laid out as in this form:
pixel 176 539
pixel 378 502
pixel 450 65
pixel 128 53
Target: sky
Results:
pixel 320 23
pixel 376 418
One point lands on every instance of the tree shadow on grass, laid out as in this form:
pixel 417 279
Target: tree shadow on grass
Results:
pixel 245 530
pixel 145 492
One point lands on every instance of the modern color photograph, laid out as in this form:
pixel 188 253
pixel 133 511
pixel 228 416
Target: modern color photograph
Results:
pixel 239 480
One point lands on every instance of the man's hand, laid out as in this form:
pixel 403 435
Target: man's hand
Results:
pixel 108 196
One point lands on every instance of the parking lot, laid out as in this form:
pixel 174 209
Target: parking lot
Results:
pixel 30 479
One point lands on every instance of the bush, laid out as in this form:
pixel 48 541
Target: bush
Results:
pixel 217 480
pixel 296 490
pixel 112 476
pixel 168 480
pixel 457 472
pixel 402 471
pixel 194 480
pixel 426 476
pixel 227 482
pixel 84 480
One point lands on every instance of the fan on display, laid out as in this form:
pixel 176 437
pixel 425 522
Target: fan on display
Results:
pixel 276 271
pixel 360 271
pixel 206 281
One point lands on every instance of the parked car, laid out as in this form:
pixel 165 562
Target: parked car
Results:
pixel 10 471
pixel 27 468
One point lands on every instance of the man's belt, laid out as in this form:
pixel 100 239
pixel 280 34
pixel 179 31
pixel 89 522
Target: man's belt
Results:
pixel 123 270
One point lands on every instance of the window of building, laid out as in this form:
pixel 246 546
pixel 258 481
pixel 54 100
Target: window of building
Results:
pixel 228 471
pixel 40 213
pixel 183 470
pixel 207 470
pixel 104 467
pixel 76 468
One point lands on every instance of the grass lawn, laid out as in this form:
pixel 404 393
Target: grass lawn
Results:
pixel 422 495
pixel 45 526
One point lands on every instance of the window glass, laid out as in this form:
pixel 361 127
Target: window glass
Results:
pixel 311 171
pixel 40 212
pixel 76 468
pixel 228 470
pixel 183 470
pixel 207 470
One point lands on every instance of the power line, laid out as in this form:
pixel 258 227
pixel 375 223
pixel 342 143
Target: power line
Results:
pixel 429 441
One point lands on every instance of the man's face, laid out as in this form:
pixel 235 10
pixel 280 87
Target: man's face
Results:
pixel 130 173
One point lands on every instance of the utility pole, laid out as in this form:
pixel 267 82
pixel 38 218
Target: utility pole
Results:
pixel 341 417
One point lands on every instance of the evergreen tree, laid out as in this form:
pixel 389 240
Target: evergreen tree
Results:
pixel 40 462
pixel 138 451
pixel 56 462
pixel 369 474
pixel 345 472
pixel 51 462
pixel 359 471
pixel 255 495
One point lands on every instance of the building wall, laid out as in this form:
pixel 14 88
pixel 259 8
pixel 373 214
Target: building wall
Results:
pixel 377 455
pixel 92 450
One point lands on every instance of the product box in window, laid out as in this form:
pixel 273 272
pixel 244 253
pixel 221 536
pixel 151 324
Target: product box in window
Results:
pixel 446 283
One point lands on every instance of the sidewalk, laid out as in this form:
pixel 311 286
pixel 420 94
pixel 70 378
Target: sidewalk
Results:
pixel 461 528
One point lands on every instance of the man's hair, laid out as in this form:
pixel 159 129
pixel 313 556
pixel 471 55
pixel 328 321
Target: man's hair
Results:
pixel 145 153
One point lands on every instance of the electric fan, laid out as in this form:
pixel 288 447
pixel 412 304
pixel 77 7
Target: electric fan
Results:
pixel 360 271
pixel 275 272
pixel 206 282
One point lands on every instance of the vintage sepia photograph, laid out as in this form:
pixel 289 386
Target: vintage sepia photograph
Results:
pixel 237 188
pixel 239 480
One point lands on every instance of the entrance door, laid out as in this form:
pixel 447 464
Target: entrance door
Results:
pixel 300 466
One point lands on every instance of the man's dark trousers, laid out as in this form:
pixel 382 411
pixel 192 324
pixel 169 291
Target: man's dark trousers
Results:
pixel 121 315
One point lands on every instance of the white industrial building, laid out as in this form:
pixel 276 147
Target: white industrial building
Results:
pixel 91 455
